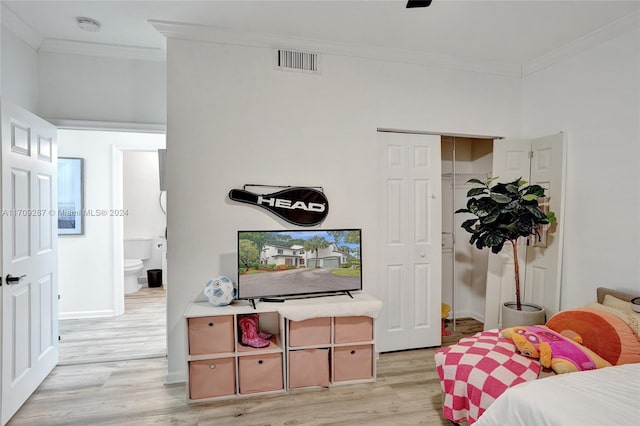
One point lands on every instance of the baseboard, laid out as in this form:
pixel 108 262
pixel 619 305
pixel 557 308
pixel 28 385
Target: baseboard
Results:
pixel 85 314
pixel 173 377
pixel 468 314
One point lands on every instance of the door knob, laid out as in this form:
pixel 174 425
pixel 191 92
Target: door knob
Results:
pixel 12 280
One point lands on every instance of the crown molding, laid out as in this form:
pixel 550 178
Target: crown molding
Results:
pixel 183 31
pixel 102 50
pixel 17 26
pixel 621 26
pixel 115 126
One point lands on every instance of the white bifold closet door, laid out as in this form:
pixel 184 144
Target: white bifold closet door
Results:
pixel 409 233
pixel 538 161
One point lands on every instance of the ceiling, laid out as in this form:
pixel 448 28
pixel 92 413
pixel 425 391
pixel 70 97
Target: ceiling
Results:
pixel 508 32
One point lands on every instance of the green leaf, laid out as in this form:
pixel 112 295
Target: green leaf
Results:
pixel 551 217
pixel 512 188
pixel 467 224
pixel 535 210
pixel 530 197
pixel 509 207
pixel 535 189
pixel 475 191
pixel 494 239
pixel 463 211
pixel 474 180
pixel 490 218
pixel 499 198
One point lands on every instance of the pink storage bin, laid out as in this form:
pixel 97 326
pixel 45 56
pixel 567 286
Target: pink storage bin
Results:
pixel 308 367
pixel 353 329
pixel 210 335
pixel 260 373
pixel 212 377
pixel 311 332
pixel 352 363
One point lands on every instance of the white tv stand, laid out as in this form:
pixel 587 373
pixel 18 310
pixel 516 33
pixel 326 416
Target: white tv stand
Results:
pixel 319 341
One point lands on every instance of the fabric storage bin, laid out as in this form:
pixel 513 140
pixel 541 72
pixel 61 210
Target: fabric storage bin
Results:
pixel 311 332
pixel 352 329
pixel 260 373
pixel 212 377
pixel 352 363
pixel 210 335
pixel 308 367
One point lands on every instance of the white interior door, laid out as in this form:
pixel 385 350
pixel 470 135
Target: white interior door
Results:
pixel 410 252
pixel 539 161
pixel 544 258
pixel 29 255
pixel 510 161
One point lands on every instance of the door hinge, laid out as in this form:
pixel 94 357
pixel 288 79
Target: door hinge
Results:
pixel 58 297
pixel 530 154
pixel 59 338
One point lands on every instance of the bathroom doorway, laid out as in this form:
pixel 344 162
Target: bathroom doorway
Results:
pixel 144 218
pixel 94 310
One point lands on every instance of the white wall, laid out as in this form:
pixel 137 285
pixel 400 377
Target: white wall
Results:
pixel 233 119
pixel 90 265
pixel 595 98
pixel 79 87
pixel 144 216
pixel 19 75
pixel 85 265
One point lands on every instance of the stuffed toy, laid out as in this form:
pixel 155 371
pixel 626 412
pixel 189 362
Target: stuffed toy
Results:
pixel 554 350
pixel 445 309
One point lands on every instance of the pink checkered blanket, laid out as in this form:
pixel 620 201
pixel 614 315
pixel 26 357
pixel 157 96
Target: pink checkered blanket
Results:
pixel 477 370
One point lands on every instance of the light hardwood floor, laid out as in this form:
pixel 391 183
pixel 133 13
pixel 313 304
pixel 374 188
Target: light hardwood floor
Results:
pixel 131 392
pixel 139 333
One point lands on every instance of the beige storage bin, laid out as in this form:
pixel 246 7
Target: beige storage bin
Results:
pixel 212 377
pixel 260 373
pixel 311 332
pixel 353 329
pixel 352 363
pixel 210 335
pixel 308 367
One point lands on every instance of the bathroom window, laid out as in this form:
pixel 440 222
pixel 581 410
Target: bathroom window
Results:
pixel 70 196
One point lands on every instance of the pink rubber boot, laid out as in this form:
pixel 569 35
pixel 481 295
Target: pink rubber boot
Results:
pixel 261 333
pixel 249 330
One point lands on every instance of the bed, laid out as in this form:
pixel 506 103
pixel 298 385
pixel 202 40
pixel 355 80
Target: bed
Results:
pixel 607 396
pixel 480 370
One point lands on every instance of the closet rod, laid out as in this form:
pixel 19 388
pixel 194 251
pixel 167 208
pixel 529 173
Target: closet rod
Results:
pixel 466 175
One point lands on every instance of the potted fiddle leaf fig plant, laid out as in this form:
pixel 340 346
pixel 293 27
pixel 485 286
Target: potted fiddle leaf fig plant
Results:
pixel 504 213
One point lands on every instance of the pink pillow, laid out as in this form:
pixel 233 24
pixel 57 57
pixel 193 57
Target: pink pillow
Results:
pixel 602 332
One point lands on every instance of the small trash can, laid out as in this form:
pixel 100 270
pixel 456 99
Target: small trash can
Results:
pixel 154 277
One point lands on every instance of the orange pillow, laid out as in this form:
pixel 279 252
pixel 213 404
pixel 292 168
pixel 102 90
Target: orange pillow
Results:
pixel 604 333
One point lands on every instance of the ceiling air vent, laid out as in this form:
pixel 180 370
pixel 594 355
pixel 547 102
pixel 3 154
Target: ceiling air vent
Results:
pixel 293 60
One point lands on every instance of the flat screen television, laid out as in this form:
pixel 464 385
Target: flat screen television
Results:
pixel 283 264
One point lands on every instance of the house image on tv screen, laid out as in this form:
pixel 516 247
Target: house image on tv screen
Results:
pixel 298 262
pixel 296 256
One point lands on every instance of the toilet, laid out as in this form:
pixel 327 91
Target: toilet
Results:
pixel 135 251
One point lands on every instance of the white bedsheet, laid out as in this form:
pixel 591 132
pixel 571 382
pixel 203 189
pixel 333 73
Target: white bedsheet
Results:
pixel 608 396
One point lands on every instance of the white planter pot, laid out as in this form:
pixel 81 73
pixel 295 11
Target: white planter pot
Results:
pixel 529 315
